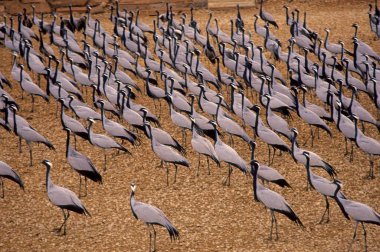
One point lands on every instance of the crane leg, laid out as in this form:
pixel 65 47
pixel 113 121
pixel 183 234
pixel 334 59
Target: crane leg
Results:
pixel 199 163
pixel 345 143
pixel 150 238
pixel 167 175
pixel 30 154
pixel 65 218
pixel 274 153
pixel 365 237
pixel 327 210
pixel 269 154
pixel 160 109
pixel 85 186
pixel 75 141
pixel 371 176
pixel 312 136
pixel 352 152
pixel 275 222
pixel 208 166
pixel 2 187
pixel 353 238
pixel 19 145
pixel 154 238
pixel 80 185
pixel 32 104
pixel 105 161
pixel 271 227
pixel 184 136
pixel 175 173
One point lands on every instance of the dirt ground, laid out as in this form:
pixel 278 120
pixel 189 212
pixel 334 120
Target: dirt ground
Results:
pixel 209 216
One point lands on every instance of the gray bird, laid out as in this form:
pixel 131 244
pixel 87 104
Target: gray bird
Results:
pixel 115 129
pixel 310 118
pixel 315 160
pixel 271 200
pixel 359 212
pixel 166 153
pixel 151 216
pixel 229 155
pixel 29 134
pixel 63 198
pixel 269 136
pixel 367 145
pixel 269 174
pixel 81 164
pixel 7 172
pixel 203 146
pixel 104 142
pixel 323 186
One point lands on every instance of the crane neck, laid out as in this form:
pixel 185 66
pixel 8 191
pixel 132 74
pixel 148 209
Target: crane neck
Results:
pixel 254 169
pixel 309 172
pixel 49 183
pixel 67 144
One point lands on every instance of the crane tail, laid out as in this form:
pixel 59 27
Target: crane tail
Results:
pixel 330 170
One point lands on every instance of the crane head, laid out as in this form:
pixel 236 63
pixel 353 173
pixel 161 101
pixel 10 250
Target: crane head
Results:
pixel 133 186
pixel 67 129
pixel 47 162
pixel 91 120
pixel 306 154
pixel 295 131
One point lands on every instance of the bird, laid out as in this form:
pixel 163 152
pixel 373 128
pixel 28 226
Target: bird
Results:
pixel 315 160
pixel 267 173
pixel 229 155
pixel 359 212
pixel 323 186
pixel 272 201
pixel 104 142
pixel 63 198
pixel 310 118
pixel 25 131
pixel 268 136
pixel 7 172
pixel 31 88
pixel 115 129
pixel 367 145
pixel 81 164
pixel 203 146
pixel 267 17
pixel 151 216
pixel 166 154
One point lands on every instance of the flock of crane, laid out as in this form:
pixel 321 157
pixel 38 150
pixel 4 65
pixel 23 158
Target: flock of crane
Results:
pixel 199 101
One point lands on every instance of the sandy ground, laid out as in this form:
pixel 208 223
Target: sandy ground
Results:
pixel 209 216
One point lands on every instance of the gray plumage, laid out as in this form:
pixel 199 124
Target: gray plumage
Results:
pixel 7 172
pixel 30 135
pixel 151 216
pixel 104 142
pixel 81 164
pixel 203 146
pixel 63 198
pixel 229 155
pixel 166 154
pixel 315 160
pixel 359 212
pixel 323 186
pixel 272 200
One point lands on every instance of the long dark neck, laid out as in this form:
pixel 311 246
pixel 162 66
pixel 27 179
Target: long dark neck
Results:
pixel 254 168
pixel 48 181
pixel 308 171
pixel 297 102
pixel 257 122
pixel 14 123
pixel 67 143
